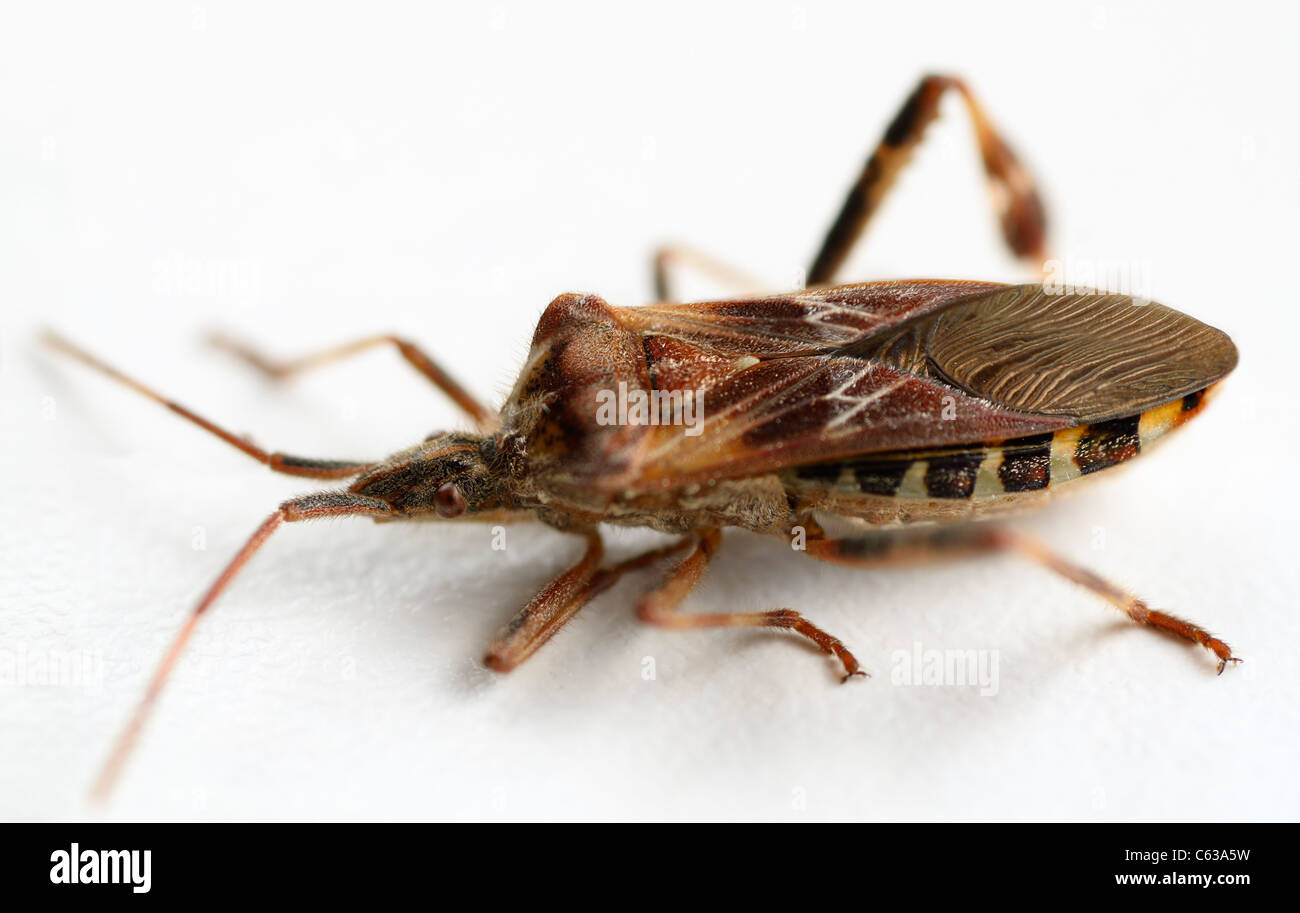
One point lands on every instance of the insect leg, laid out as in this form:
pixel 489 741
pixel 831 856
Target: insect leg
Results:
pixel 308 507
pixel 671 256
pixel 560 601
pixel 660 607
pixel 1019 207
pixel 892 548
pixel 896 547
pixel 279 462
pixel 1117 596
pixel 279 370
pixel 548 611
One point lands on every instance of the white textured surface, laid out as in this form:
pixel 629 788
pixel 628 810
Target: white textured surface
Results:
pixel 304 177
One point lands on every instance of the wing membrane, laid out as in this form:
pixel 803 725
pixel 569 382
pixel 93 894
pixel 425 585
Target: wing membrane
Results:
pixel 1090 356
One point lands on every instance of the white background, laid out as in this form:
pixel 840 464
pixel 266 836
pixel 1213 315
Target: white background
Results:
pixel 304 175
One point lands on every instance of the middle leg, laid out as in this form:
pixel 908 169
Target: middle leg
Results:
pixel 660 607
pixel 671 256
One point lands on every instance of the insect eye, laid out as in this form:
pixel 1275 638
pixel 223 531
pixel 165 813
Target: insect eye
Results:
pixel 448 501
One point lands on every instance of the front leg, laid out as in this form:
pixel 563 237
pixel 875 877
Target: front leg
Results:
pixel 548 611
pixel 484 418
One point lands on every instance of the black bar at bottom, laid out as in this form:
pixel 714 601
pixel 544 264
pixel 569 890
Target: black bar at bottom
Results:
pixel 502 863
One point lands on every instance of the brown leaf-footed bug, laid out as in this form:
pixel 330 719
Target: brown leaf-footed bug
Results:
pixel 932 402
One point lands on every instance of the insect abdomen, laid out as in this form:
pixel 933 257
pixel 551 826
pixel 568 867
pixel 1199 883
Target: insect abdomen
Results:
pixel 958 481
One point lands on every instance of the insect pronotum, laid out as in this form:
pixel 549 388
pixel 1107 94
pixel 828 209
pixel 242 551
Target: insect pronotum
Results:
pixel 886 403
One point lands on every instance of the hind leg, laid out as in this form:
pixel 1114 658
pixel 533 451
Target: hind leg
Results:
pixel 893 548
pixel 1020 211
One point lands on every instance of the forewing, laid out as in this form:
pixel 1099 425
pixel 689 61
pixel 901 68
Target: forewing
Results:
pixel 800 323
pixel 835 373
